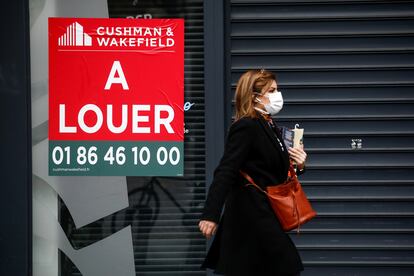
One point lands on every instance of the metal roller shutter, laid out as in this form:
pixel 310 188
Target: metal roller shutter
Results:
pixel 163 212
pixel 346 70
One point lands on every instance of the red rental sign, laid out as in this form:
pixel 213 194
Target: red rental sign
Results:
pixel 115 84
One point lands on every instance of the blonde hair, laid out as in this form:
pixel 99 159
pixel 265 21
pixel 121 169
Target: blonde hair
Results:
pixel 251 82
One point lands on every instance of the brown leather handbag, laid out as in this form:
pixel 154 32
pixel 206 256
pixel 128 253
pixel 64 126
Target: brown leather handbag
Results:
pixel 288 201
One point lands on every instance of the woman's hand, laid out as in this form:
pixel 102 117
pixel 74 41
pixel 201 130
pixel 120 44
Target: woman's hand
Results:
pixel 298 155
pixel 208 228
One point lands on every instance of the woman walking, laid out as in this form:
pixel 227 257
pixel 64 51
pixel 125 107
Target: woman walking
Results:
pixel 249 240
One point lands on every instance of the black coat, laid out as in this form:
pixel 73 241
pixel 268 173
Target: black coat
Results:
pixel 249 239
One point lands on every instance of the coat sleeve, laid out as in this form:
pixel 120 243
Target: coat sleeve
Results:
pixel 236 150
pixel 300 172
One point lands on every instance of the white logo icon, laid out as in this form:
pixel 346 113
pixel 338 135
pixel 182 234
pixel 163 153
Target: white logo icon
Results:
pixel 75 36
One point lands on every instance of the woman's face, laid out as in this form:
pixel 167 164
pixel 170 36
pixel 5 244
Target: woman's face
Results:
pixel 271 89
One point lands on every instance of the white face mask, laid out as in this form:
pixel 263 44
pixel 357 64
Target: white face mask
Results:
pixel 275 102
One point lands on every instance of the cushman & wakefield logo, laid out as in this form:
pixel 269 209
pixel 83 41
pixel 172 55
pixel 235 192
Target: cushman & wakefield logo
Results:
pixel 157 38
pixel 75 36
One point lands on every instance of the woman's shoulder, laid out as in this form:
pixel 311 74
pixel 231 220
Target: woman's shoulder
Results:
pixel 244 122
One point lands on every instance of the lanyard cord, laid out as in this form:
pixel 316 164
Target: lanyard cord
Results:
pixel 273 127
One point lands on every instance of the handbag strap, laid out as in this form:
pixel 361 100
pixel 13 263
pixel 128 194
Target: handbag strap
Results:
pixel 251 182
pixel 291 173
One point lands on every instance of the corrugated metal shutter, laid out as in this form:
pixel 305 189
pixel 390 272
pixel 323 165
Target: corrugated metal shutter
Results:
pixel 163 211
pixel 346 69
